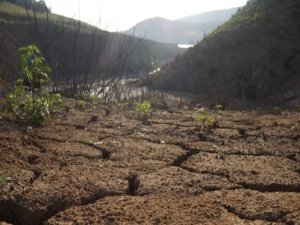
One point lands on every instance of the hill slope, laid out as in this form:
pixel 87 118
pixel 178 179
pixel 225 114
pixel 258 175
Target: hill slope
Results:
pixel 64 42
pixel 216 15
pixel 183 31
pixel 255 55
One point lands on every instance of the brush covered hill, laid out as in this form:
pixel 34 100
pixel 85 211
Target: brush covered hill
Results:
pixel 188 30
pixel 219 16
pixel 69 46
pixel 253 56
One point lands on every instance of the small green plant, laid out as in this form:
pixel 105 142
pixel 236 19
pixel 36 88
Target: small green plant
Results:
pixel 95 99
pixel 2 181
pixel 80 104
pixel 219 107
pixel 208 121
pixel 144 110
pixel 30 101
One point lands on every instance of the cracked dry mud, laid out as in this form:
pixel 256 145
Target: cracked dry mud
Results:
pixel 115 170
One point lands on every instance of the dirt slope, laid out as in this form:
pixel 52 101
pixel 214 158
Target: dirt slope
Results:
pixel 89 168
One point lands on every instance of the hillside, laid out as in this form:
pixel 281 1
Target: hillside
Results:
pixel 216 15
pixel 66 44
pixel 253 56
pixel 187 30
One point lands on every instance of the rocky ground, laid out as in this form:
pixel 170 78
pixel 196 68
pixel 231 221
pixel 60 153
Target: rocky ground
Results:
pixel 87 167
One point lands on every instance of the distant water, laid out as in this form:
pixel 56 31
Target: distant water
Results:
pixel 185 46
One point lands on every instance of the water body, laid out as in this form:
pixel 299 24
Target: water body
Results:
pixel 185 46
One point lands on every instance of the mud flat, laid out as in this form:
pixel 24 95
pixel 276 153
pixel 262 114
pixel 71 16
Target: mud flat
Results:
pixel 87 167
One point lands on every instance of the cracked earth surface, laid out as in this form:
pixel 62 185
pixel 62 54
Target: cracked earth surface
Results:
pixel 115 170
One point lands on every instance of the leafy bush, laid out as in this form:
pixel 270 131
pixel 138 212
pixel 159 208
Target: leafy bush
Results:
pixel 30 101
pixel 144 110
pixel 84 100
pixel 219 107
pixel 208 121
pixel 80 104
pixel 2 181
pixel 95 99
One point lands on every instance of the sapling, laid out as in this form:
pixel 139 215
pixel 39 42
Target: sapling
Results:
pixel 144 110
pixel 208 121
pixel 30 101
pixel 219 107
pixel 80 104
pixel 2 181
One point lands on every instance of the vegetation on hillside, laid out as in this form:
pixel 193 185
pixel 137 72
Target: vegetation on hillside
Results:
pixel 253 56
pixel 39 6
pixel 81 56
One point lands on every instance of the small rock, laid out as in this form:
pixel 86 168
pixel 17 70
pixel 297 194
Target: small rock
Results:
pixel 98 143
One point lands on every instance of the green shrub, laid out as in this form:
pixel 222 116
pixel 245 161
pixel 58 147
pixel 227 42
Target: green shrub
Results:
pixel 144 110
pixel 80 104
pixel 30 101
pixel 208 121
pixel 219 107
pixel 84 99
pixel 2 181
pixel 95 99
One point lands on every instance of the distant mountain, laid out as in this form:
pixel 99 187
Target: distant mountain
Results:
pixel 163 30
pixel 188 30
pixel 206 17
pixel 253 56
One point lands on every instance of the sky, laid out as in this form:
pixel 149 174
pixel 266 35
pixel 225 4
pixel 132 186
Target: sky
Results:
pixel 119 15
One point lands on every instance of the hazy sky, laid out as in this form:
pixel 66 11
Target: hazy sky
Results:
pixel 118 15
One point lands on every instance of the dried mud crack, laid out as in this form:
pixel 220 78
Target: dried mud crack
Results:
pixel 88 168
pixel 105 152
pixel 272 187
pixel 268 216
pixel 184 157
pixel 18 214
pixel 52 211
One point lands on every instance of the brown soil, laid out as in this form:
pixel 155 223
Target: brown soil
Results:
pixel 89 168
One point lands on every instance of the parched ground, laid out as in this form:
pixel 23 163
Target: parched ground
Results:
pixel 87 167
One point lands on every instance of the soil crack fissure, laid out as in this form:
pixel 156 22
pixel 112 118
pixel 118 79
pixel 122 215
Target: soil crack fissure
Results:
pixel 184 157
pixel 105 153
pixel 272 187
pixel 265 216
pixel 53 210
